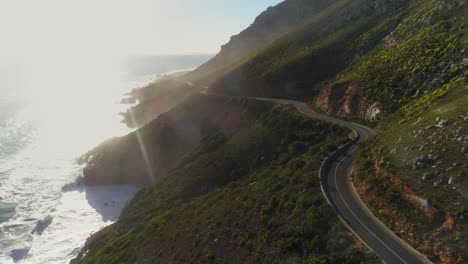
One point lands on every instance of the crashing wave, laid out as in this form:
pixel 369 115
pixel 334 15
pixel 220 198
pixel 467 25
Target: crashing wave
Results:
pixel 76 185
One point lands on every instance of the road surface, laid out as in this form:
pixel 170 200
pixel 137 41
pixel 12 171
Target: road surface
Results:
pixel 340 193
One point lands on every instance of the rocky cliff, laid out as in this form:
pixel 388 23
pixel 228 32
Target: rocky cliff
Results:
pixel 346 100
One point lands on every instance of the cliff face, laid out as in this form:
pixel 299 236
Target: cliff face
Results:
pixel 267 27
pixel 346 100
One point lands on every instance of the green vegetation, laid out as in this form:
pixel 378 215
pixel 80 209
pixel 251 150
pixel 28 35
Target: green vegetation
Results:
pixel 148 154
pixel 267 27
pixel 250 192
pixel 295 64
pixel 252 197
pixel 419 135
pixel 420 55
pixel 406 136
pixel 394 54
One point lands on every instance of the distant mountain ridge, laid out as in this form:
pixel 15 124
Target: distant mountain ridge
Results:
pixel 267 27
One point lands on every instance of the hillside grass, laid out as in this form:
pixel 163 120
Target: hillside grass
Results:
pixel 270 25
pixel 412 133
pixel 250 198
pixel 295 65
pixel 421 55
pixel 397 187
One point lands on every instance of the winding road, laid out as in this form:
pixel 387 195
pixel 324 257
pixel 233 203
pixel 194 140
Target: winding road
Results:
pixel 339 191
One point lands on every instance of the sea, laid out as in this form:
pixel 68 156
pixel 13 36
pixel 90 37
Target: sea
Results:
pixel 54 117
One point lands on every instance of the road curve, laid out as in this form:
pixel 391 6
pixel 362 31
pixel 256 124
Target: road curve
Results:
pixel 340 193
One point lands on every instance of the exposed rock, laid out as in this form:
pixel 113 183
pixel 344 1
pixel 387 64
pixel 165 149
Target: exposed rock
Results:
pixel 450 180
pixel 373 112
pixel 424 160
pixel 345 99
pixel 443 123
pixel 427 176
pixel 451 168
pixel 423 146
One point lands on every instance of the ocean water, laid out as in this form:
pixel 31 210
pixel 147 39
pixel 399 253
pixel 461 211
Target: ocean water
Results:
pixel 45 215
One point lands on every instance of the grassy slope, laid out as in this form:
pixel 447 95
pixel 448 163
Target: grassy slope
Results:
pixel 348 42
pixel 393 186
pixel 146 155
pixel 405 141
pixel 394 54
pixel 274 22
pixel 413 59
pixel 267 27
pixel 419 73
pixel 294 65
pixel 420 55
pixel 244 199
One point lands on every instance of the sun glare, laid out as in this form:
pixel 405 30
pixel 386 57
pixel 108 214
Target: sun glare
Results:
pixel 63 103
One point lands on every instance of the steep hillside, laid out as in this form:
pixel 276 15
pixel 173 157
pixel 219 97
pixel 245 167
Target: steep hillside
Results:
pixel 405 63
pixel 155 99
pixel 425 51
pixel 148 154
pixel 294 65
pixel 245 186
pixel 267 27
pixel 248 197
pixel 414 174
pixel 376 55
pixel 164 94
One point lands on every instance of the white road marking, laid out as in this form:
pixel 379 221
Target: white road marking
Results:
pixel 352 151
pixel 355 216
pixel 303 108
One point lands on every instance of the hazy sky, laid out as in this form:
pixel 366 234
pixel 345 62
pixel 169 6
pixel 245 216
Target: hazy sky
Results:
pixel 118 27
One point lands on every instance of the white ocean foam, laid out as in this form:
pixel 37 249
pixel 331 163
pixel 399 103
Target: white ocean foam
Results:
pixel 45 214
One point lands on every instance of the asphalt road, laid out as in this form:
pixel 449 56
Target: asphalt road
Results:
pixel 340 193
pixel 339 190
